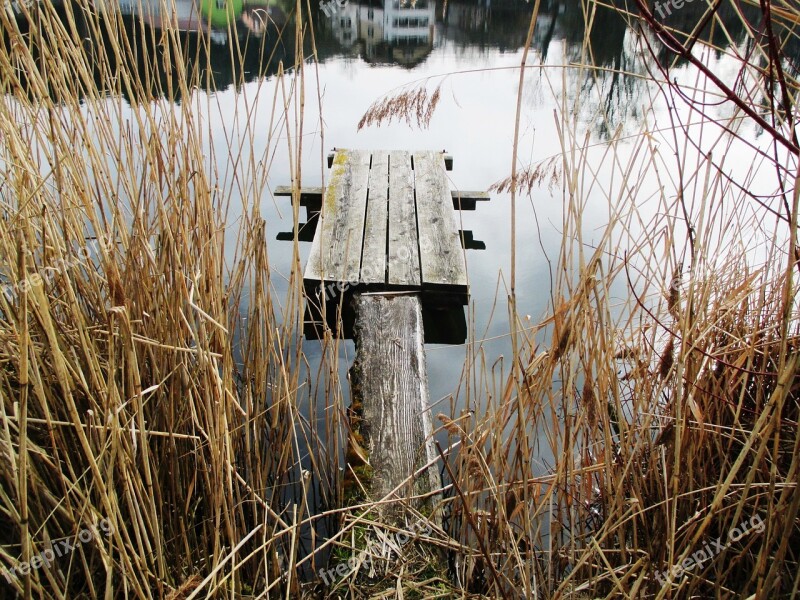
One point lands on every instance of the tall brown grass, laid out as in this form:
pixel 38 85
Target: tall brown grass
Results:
pixel 649 413
pixel 663 383
pixel 133 388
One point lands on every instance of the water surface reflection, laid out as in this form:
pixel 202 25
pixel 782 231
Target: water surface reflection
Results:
pixel 234 48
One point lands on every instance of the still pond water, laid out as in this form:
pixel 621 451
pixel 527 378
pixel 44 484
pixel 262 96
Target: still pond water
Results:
pixel 472 52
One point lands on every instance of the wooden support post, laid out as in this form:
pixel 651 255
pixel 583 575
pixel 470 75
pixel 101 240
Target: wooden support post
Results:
pixel 390 387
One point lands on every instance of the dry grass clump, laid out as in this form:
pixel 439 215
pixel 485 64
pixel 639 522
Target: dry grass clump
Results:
pixel 635 440
pixel 137 390
pixel 375 559
pixel 650 445
pixel 651 414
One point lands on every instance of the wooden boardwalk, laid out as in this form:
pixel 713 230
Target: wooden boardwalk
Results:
pixel 387 222
pixel 387 250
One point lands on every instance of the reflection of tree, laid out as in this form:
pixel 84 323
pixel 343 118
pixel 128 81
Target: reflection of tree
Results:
pixel 715 32
pixel 484 25
pixel 207 60
pixel 614 54
pixel 606 89
pixel 252 45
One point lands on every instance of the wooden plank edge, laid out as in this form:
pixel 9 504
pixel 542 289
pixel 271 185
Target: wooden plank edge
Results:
pixel 448 161
pixel 467 200
pixel 286 190
pixel 313 194
pixel 433 293
pixel 311 197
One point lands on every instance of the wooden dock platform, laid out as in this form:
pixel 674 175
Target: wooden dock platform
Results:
pixel 386 223
pixel 387 267
pixel 386 220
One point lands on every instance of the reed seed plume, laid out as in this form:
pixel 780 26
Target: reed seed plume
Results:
pixel 548 171
pixel 414 106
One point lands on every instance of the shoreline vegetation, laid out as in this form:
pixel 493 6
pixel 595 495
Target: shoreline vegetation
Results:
pixel 158 386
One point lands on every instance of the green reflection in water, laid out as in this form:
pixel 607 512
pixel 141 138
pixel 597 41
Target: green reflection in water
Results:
pixel 221 12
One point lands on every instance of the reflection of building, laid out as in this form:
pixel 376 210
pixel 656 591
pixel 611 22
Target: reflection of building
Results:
pixel 409 23
pixel 400 31
pixel 214 17
pixel 211 16
pixel 206 30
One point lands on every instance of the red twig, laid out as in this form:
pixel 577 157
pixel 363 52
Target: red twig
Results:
pixel 674 45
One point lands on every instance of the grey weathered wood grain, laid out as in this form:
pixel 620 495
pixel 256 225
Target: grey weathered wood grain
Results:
pixel 336 250
pixel 307 194
pixel 441 256
pixel 392 382
pixel 404 266
pixel 462 199
pixel 373 259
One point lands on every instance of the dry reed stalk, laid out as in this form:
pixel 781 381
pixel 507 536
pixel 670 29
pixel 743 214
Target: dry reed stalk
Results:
pixel 669 418
pixel 646 429
pixel 122 396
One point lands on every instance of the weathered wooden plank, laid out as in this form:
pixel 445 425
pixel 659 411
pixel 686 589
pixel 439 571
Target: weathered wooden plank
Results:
pixel 441 256
pixel 404 266
pixel 466 200
pixel 391 383
pixel 311 194
pixel 465 194
pixel 336 250
pixel 373 259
